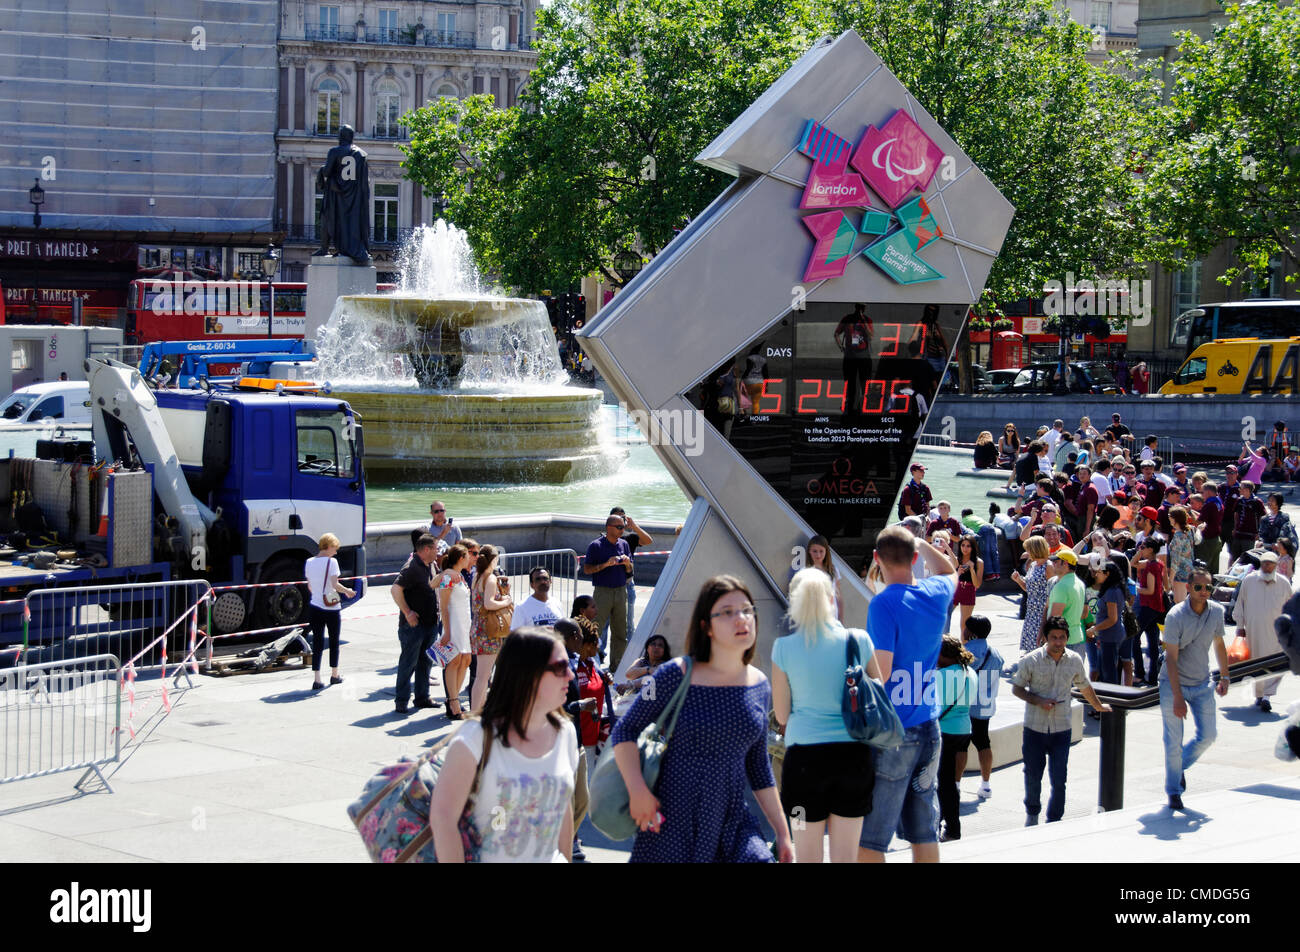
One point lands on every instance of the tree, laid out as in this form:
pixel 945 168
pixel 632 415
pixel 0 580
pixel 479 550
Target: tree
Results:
pixel 1225 156
pixel 599 159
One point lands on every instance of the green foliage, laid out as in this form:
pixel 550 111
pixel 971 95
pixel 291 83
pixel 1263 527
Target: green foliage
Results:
pixel 1009 80
pixel 600 157
pixel 1225 150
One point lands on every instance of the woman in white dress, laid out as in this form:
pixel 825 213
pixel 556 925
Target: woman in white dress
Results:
pixel 453 608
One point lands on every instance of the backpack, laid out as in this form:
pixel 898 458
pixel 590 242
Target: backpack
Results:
pixel 392 813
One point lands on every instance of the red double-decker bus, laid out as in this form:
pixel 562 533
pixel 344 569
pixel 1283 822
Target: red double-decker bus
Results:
pixel 179 306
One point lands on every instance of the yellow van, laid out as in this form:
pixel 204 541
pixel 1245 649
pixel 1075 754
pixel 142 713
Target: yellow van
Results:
pixel 1240 365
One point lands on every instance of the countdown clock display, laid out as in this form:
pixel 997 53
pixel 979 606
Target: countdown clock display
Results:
pixel 827 406
pixel 808 314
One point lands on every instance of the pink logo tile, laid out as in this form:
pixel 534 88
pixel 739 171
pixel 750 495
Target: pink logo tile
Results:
pixel 897 158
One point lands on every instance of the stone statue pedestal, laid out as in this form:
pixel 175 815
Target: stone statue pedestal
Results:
pixel 328 278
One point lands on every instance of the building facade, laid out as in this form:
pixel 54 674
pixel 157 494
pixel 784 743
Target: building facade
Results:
pixel 1178 291
pixel 149 130
pixel 366 64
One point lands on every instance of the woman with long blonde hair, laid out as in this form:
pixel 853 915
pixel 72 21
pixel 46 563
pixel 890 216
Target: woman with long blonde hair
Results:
pixel 827 776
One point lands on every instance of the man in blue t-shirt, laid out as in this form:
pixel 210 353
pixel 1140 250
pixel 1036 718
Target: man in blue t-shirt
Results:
pixel 905 621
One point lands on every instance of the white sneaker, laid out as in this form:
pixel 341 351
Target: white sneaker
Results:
pixel 985 790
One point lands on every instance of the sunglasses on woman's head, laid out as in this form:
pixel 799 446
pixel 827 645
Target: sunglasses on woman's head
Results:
pixel 558 668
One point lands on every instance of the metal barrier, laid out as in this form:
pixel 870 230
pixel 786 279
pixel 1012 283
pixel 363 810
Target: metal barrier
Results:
pixel 66 624
pixel 60 715
pixel 561 563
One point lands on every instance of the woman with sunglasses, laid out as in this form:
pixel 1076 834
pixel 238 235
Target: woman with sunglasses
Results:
pixel 1008 446
pixel 655 653
pixel 970 576
pixel 523 805
pixel 697 811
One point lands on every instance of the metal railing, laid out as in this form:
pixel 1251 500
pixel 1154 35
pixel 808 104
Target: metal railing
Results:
pixel 58 716
pixel 562 564
pixel 66 624
pixel 406 36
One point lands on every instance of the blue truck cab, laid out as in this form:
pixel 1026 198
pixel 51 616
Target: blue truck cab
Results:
pixel 280 470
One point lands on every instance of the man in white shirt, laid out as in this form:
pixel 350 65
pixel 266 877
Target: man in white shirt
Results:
pixel 1101 481
pixel 536 609
pixel 1053 438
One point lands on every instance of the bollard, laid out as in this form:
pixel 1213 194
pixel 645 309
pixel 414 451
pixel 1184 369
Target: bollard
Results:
pixel 1110 784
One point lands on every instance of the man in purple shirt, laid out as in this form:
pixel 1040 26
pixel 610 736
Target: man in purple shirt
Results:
pixel 609 563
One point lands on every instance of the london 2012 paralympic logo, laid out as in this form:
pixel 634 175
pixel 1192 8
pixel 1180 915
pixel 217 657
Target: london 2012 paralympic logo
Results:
pixel 894 161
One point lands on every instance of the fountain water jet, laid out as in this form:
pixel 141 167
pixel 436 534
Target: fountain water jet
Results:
pixel 458 385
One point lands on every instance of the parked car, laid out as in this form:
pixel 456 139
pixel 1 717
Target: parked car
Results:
pixel 951 379
pixel 66 401
pixel 1000 380
pixel 1086 376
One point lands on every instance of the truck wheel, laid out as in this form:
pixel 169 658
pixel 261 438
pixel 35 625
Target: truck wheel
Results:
pixel 285 604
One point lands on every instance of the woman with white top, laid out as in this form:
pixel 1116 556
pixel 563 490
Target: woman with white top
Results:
pixel 453 608
pixel 827 776
pixel 523 807
pixel 326 609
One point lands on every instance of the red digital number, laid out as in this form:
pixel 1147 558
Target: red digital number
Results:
pixel 920 329
pixel 894 395
pixel 763 395
pixel 843 393
pixel 917 332
pixel 817 392
pixel 893 351
pixel 879 387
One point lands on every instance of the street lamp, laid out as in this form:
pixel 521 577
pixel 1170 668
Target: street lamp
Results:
pixel 270 265
pixel 36 195
pixel 627 265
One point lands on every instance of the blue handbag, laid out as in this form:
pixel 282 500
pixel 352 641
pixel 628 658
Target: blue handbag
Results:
pixel 869 715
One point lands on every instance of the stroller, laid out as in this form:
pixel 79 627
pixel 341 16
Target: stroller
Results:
pixel 1227 584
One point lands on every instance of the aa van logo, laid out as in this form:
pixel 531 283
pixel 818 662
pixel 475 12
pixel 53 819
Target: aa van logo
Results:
pixel 895 161
pixel 94 906
pixel 177 296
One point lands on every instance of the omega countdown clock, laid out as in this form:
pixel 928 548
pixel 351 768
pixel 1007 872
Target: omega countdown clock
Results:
pixel 808 315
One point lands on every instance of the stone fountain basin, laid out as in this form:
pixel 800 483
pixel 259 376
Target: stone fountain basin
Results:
pixel 539 436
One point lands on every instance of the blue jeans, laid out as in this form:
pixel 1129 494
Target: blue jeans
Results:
pixel 1109 652
pixel 1148 625
pixel 1094 656
pixel 1053 750
pixel 989 550
pixel 1180 756
pixel 414 660
pixel 905 797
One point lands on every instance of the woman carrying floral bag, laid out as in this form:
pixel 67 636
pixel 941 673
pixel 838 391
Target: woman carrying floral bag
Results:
pixel 523 806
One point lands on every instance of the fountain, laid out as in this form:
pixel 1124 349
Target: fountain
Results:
pixel 456 384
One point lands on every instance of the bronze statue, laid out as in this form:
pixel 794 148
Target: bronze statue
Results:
pixel 344 183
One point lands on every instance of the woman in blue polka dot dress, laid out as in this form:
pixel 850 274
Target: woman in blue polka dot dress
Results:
pixel 697 812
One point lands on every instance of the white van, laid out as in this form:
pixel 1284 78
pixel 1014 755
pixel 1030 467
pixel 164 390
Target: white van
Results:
pixel 65 402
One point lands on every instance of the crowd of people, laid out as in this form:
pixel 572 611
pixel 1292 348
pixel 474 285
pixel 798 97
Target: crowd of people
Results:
pixel 553 708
